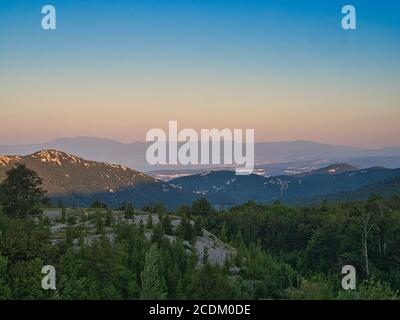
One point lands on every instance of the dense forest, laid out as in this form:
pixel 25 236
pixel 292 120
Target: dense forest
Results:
pixel 279 252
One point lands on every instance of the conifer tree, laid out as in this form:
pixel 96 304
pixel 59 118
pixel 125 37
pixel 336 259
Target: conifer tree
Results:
pixel 149 224
pixel 153 283
pixel 21 192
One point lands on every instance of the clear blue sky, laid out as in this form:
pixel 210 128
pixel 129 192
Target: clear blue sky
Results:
pixel 207 30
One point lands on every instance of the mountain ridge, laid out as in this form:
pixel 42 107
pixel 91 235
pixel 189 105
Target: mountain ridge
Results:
pixel 133 154
pixel 334 168
pixel 78 181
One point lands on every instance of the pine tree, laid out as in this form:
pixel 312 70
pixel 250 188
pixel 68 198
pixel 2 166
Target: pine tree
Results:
pixel 185 230
pixel 158 233
pixel 209 283
pixel 167 226
pixel 153 283
pixel 201 206
pixel 21 193
pixel 130 212
pixel 149 224
pixel 223 234
pixel 198 230
pixel 160 208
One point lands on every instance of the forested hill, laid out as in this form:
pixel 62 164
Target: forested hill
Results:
pixel 224 188
pixel 80 182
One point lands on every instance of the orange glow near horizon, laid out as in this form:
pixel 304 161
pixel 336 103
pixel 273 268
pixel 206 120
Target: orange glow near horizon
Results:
pixel 126 109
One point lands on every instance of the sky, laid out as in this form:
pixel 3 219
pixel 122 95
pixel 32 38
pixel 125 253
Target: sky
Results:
pixel 116 69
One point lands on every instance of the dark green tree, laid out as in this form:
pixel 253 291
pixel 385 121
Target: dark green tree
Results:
pixel 201 206
pixel 209 282
pixel 21 192
pixel 149 224
pixel 159 208
pixel 198 229
pixel 153 283
pixel 129 211
pixel 158 233
pixel 185 230
pixel 166 223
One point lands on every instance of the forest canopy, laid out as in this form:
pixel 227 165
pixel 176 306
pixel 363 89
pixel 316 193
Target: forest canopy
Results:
pixel 275 251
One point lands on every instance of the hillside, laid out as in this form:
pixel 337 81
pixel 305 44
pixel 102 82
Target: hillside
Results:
pixel 80 182
pixel 218 251
pixel 384 188
pixel 331 169
pixel 224 188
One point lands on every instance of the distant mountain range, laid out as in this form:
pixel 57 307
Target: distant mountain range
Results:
pixel 132 154
pixel 80 182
